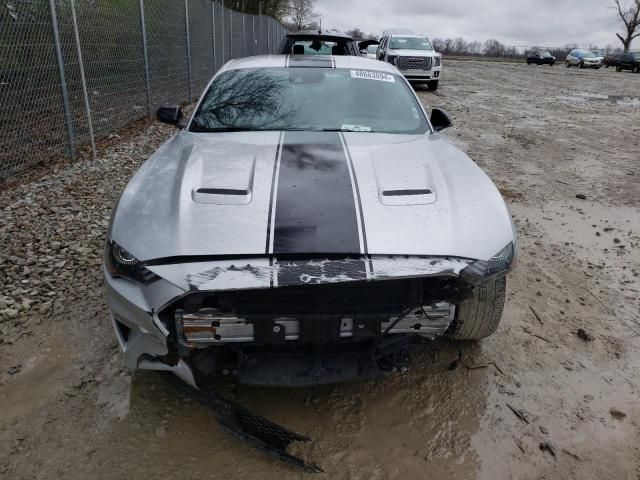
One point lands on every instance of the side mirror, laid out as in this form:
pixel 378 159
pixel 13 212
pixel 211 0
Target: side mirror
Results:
pixel 170 115
pixel 440 120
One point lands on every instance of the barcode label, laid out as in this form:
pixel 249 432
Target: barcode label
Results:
pixel 368 75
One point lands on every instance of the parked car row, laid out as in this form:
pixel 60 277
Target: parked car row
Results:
pixel 587 59
pixel 412 54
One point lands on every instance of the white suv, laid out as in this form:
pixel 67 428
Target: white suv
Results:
pixel 413 55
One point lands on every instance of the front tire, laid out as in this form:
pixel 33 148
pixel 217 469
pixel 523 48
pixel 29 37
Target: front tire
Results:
pixel 478 317
pixel 551 64
pixel 568 64
pixel 636 69
pixel 433 85
pixel 618 68
pixel 581 65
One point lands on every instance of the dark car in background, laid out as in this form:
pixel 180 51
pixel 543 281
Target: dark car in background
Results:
pixel 611 60
pixel 314 42
pixel 540 57
pixel 629 61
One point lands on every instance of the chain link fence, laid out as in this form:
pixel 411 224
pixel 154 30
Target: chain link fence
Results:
pixel 74 70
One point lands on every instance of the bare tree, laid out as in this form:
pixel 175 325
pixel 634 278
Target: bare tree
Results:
pixel 356 33
pixel 301 12
pixel 630 17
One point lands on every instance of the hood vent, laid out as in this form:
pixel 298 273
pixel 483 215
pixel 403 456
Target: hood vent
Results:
pixel 222 196
pixel 406 193
pixel 222 191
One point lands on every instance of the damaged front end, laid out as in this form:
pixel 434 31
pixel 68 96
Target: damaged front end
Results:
pixel 304 322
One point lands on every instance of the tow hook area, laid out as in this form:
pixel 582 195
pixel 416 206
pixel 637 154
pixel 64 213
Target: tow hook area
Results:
pixel 249 427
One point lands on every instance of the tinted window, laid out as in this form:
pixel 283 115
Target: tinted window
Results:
pixel 314 47
pixel 309 99
pixel 372 48
pixel 413 43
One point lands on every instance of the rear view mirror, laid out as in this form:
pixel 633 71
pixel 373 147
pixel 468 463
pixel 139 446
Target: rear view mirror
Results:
pixel 439 119
pixel 170 115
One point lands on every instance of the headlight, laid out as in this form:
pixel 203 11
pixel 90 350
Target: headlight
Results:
pixel 393 59
pixel 121 263
pixel 438 62
pixel 483 270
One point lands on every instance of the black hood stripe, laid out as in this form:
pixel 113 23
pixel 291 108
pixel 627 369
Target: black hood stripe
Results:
pixel 315 210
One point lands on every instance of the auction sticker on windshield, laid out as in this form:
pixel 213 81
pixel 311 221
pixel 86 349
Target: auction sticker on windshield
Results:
pixel 368 75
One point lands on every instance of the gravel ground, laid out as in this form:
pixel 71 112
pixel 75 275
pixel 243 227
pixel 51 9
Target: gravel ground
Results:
pixel 556 394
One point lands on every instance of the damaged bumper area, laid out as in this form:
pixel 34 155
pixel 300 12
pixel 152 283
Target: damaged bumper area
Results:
pixel 285 322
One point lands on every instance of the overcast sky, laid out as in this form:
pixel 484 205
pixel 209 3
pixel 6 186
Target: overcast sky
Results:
pixel 513 22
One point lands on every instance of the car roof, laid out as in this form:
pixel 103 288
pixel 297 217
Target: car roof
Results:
pixel 283 61
pixel 316 33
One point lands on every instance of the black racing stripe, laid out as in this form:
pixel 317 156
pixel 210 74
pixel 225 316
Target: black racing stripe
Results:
pixel 310 61
pixel 315 209
pixel 273 183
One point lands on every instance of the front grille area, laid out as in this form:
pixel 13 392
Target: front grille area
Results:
pixel 414 63
pixel 314 314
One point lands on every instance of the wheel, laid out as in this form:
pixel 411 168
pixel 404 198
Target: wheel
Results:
pixel 528 62
pixel 551 64
pixel 539 62
pixel 433 85
pixel 581 65
pixel 618 68
pixel 478 317
pixel 568 64
pixel 636 69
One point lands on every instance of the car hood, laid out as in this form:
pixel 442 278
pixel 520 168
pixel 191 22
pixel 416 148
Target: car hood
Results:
pixel 307 194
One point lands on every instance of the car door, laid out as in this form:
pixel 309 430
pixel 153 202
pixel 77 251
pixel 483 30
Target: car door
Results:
pixel 381 49
pixel 362 46
pixel 625 60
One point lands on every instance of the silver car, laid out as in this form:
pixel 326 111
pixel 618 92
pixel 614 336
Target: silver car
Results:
pixel 414 56
pixel 293 232
pixel 583 59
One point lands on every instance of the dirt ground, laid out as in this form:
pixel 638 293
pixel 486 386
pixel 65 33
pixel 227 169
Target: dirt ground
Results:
pixel 68 409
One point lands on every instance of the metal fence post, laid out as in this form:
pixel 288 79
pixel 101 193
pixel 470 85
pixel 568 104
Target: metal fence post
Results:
pixel 222 31
pixel 253 34
pixel 230 35
pixel 260 27
pixel 244 38
pixel 213 34
pixel 145 54
pixel 63 81
pixel 186 23
pixel 83 79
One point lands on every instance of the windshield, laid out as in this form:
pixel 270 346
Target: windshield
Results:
pixel 314 99
pixel 372 48
pixel 587 54
pixel 544 53
pixel 413 43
